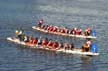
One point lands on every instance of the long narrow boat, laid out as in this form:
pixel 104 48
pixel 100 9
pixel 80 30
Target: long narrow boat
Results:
pixel 74 51
pixel 63 34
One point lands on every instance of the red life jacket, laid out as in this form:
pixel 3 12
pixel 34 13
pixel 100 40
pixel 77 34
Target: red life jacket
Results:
pixel 78 32
pixel 35 41
pixel 55 45
pixel 62 31
pixel 48 28
pixel 51 28
pixel 67 30
pixel 44 42
pixel 50 43
pixel 54 29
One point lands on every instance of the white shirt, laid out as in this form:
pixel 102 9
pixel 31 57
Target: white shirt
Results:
pixel 88 42
pixel 20 32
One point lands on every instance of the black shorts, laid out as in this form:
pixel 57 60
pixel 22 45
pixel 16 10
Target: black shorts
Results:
pixel 40 43
pixel 86 49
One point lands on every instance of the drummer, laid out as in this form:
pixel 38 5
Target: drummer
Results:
pixel 87 46
pixel 40 22
pixel 20 34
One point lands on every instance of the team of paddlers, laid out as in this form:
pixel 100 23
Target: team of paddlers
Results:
pixel 50 43
pixel 74 31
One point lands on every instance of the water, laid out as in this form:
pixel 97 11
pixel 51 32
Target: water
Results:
pixel 23 14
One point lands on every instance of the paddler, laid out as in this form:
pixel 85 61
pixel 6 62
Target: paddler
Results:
pixel 66 46
pixel 62 30
pixel 44 42
pixel 20 35
pixel 40 22
pixel 55 45
pixel 66 30
pixel 55 29
pixel 35 41
pixel 40 41
pixel 31 39
pixel 72 46
pixel 61 45
pixel 50 28
pixel 42 26
pixel 79 32
pixel 50 43
pixel 74 30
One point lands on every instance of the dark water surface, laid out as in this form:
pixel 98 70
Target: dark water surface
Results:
pixel 16 14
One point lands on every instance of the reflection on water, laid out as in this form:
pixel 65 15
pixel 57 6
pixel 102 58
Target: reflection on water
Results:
pixel 53 59
pixel 88 63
